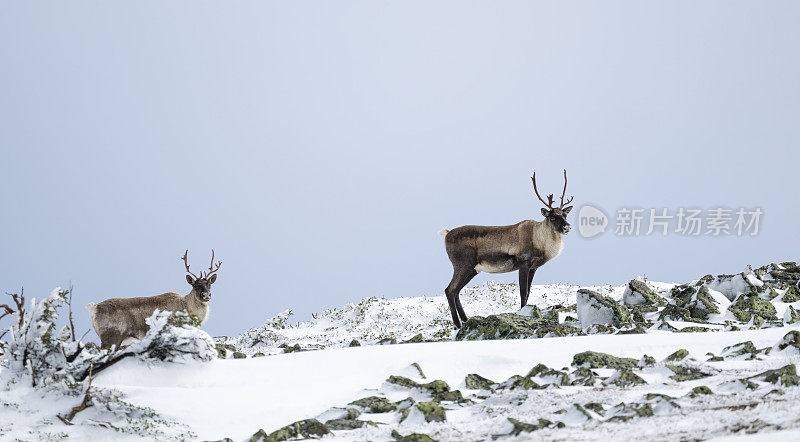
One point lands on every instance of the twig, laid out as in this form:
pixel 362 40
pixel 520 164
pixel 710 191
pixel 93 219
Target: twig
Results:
pixel 69 304
pixel 83 405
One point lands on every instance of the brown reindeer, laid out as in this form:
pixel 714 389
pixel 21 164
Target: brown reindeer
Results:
pixel 524 246
pixel 120 320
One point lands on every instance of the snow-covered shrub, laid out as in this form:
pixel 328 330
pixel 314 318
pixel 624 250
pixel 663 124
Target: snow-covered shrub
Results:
pixel 36 361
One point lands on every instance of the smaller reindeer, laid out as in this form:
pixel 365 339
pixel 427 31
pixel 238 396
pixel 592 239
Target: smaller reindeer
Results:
pixel 119 321
pixel 524 246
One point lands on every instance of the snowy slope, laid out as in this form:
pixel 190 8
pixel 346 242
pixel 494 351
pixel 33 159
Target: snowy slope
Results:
pixel 374 319
pixel 234 398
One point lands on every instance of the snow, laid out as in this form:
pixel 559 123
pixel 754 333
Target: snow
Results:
pixel 210 400
pixel 234 398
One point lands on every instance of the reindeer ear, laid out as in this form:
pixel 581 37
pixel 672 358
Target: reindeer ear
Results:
pixel 189 279
pixel 566 210
pixel 544 212
pixel 212 279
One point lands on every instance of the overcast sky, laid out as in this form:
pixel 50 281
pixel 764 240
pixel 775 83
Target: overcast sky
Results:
pixel 319 146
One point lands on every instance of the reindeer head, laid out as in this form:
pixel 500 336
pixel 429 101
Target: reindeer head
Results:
pixel 555 217
pixel 201 285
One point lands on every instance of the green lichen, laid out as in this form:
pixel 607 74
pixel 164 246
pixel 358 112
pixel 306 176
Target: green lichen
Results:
pixel 791 295
pixel 583 376
pixel 646 361
pixel 747 306
pixel 375 404
pixel 518 382
pixel 791 339
pixel 502 326
pixel 625 378
pixel 675 313
pixel 786 376
pixel 415 437
pixel 417 338
pixel 596 407
pixel 543 371
pixel 523 427
pixel 645 292
pixel 678 355
pixel 591 359
pixel 477 382
pixel 694 329
pixel 432 411
pixel 559 330
pixel 624 412
pixel 701 304
pixel 304 428
pixel 700 390
pixel 621 316
pixel 344 424
pixel 684 373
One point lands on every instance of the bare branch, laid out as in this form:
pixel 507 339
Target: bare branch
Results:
pixel 83 405
pixel 69 304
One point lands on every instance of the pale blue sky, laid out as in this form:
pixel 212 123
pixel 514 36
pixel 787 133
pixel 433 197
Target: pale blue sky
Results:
pixel 319 146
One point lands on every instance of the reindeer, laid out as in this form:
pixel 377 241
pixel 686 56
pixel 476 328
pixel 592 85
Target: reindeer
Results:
pixel 119 321
pixel 524 246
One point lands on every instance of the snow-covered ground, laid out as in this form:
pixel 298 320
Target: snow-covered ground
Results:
pixel 644 398
pixel 234 398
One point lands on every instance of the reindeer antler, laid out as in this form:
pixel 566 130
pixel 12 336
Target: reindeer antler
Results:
pixel 549 197
pixel 186 263
pixel 211 268
pixel 564 192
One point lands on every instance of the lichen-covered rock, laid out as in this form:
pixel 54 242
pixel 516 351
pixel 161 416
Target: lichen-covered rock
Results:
pixel 502 326
pixel 591 359
pixel 624 378
pixel 387 341
pixel 415 437
pixel 477 382
pixel 791 339
pixel 549 375
pixel 354 343
pixel 701 304
pixel 624 412
pixel 746 348
pixel 417 338
pixel 223 349
pixel 432 411
pixel 554 329
pixel 695 329
pixel 646 361
pixel 678 355
pixel 686 373
pixel 596 407
pixel 675 313
pixel 583 376
pixel 700 390
pixel 239 355
pixel 304 428
pixel 518 382
pixel 523 427
pixel 344 424
pixel 637 293
pixel 791 316
pixel 786 376
pixel 791 295
pixel 748 305
pixel 375 404
pixel 594 308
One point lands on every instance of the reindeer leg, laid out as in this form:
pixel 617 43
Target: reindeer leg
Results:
pixel 524 284
pixel 461 277
pixel 530 282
